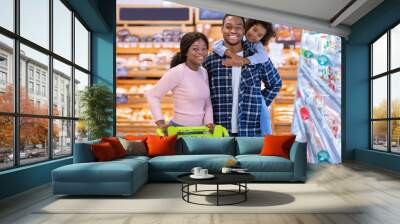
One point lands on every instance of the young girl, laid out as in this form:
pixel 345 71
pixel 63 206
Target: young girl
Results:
pixel 257 33
pixel 188 81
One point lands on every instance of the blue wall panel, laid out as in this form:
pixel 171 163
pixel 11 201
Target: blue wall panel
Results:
pixel 24 178
pixel 357 84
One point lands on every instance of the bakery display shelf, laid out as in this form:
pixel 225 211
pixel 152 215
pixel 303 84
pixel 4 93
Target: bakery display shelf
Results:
pixel 143 100
pixel 143 50
pixel 143 74
pixel 138 95
pixel 284 99
pixel 288 72
pixel 130 82
pixel 283 123
pixel 142 105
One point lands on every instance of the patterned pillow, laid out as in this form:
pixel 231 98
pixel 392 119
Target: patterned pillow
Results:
pixel 134 147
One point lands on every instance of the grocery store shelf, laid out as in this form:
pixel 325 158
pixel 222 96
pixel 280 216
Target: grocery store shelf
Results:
pixel 143 74
pixel 289 99
pixel 130 82
pixel 166 105
pixel 144 50
pixel 325 131
pixel 288 72
pixel 134 99
pixel 321 87
pixel 282 123
pixel 307 135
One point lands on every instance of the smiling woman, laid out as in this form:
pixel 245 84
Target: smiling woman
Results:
pixel 188 81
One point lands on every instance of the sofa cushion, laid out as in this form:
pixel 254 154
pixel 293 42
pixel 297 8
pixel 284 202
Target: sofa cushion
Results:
pixel 134 147
pixel 185 163
pixel 249 145
pixel 112 171
pixel 130 158
pixel 116 145
pixel 103 152
pixel 206 145
pixel 277 145
pixel 257 163
pixel 83 152
pixel 161 145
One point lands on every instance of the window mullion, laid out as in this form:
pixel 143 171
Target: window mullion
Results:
pixel 389 106
pixel 16 84
pixel 50 81
pixel 73 81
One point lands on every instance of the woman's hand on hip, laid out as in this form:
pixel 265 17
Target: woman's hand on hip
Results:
pixel 211 127
pixel 162 125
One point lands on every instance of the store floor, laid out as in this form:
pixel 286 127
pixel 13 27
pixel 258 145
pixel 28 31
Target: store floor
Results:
pixel 378 189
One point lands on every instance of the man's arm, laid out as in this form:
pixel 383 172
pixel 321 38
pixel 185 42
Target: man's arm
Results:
pixel 272 81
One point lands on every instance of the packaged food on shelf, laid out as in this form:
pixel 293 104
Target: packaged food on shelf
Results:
pixel 317 107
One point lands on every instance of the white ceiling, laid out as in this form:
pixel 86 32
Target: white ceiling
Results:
pixel 317 15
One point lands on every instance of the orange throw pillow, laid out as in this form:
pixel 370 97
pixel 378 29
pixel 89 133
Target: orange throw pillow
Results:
pixel 160 145
pixel 103 152
pixel 116 145
pixel 277 145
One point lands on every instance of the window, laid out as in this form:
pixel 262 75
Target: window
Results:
pixel 3 78
pixel 385 96
pixel 62 74
pixel 62 29
pixel 44 91
pixel 7 14
pixel 3 61
pixel 46 131
pixel 37 74
pixel 62 137
pixel 81 45
pixel 38 89
pixel 35 22
pixel 30 87
pixel 3 72
pixel 6 74
pixel 6 142
pixel 30 72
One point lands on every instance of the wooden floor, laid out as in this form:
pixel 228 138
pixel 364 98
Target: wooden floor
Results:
pixel 377 188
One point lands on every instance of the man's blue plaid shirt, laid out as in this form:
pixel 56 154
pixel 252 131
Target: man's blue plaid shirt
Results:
pixel 250 93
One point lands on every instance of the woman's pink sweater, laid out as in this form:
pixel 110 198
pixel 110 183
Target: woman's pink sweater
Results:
pixel 191 96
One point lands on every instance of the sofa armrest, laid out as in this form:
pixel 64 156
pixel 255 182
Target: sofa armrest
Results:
pixel 83 152
pixel 298 155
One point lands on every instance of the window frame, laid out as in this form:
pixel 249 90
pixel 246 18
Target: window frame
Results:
pixel 388 74
pixel 15 68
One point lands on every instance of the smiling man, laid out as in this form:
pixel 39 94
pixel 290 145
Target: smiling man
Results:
pixel 236 91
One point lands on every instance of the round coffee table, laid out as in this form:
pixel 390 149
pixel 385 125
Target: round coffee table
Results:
pixel 238 179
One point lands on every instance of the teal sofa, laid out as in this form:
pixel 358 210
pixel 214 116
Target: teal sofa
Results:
pixel 125 176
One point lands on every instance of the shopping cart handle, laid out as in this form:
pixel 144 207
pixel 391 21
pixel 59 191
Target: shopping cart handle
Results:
pixel 219 131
